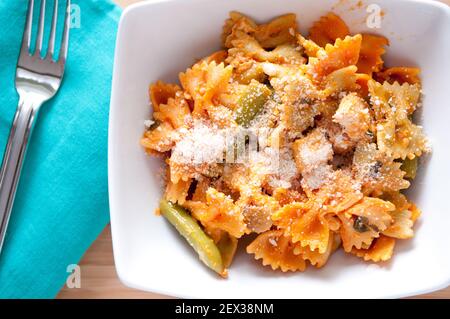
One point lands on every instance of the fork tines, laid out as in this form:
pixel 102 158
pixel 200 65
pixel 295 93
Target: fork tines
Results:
pixel 50 54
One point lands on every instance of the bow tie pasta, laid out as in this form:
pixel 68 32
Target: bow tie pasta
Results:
pixel 303 143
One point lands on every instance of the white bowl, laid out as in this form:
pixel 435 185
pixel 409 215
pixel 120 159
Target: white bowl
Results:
pixel 157 40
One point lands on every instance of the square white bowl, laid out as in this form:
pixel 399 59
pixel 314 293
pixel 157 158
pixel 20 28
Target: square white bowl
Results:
pixel 157 40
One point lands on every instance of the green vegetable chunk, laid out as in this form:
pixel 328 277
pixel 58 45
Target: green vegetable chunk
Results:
pixel 194 234
pixel 251 103
pixel 227 246
pixel 361 224
pixel 410 167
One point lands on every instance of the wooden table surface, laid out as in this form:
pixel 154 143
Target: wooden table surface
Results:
pixel 98 274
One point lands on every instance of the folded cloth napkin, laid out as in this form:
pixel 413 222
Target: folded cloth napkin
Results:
pixel 61 204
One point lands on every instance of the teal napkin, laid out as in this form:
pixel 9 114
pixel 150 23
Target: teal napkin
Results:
pixel 62 200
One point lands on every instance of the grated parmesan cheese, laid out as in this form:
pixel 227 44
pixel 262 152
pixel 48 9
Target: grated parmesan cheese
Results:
pixel 148 123
pixel 200 144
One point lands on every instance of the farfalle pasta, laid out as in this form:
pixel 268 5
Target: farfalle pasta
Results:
pixel 304 143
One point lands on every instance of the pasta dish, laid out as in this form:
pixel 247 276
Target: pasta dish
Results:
pixel 305 144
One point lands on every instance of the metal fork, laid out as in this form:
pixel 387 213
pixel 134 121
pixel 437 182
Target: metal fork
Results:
pixel 37 80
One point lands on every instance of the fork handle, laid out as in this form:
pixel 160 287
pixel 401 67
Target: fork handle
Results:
pixel 13 159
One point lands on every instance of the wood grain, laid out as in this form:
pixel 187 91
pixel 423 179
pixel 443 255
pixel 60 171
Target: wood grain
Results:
pixel 98 274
